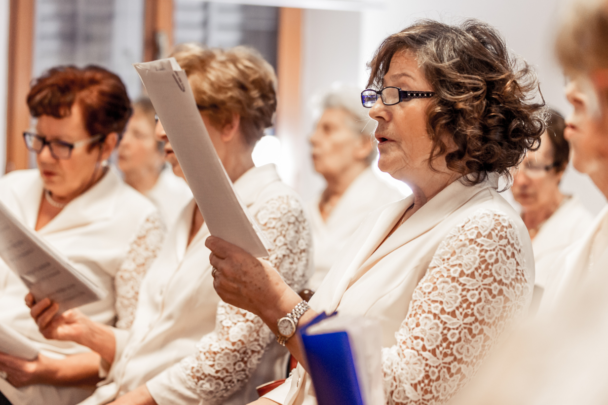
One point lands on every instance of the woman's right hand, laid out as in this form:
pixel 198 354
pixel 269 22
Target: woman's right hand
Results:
pixel 72 325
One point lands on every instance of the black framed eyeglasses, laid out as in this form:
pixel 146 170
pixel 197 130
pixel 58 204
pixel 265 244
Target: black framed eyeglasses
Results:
pixel 59 149
pixel 391 96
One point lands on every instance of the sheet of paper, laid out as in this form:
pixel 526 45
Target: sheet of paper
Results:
pixel 171 95
pixel 45 272
pixel 15 344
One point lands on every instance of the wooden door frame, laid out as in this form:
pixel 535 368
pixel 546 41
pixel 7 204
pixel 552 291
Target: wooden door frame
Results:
pixel 158 29
pixel 20 58
pixel 289 66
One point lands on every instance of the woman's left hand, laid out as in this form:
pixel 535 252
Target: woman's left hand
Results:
pixel 246 282
pixel 21 372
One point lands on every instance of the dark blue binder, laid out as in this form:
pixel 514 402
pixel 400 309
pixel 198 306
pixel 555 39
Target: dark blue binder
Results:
pixel 331 366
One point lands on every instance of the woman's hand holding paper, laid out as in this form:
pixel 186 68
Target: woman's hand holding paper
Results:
pixel 72 326
pixel 246 282
pixel 21 372
pixel 255 286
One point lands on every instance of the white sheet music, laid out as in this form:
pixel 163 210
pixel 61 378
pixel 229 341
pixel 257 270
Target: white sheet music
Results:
pixel 15 344
pixel 168 88
pixel 45 272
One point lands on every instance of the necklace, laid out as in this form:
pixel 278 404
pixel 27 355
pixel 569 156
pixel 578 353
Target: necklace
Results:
pixel 49 199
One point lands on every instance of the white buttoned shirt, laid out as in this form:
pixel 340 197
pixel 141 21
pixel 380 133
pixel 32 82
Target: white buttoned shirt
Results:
pixel 95 232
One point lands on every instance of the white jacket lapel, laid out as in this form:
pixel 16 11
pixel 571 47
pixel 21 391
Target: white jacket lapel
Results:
pixel 372 234
pixel 436 210
pixel 97 203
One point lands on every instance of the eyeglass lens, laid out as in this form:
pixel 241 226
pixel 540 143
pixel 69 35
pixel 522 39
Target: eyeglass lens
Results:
pixel 390 95
pixel 58 150
pixel 368 98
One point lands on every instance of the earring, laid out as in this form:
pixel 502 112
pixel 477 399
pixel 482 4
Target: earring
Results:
pixel 104 163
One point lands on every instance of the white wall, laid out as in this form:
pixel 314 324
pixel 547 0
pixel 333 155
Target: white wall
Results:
pixel 4 15
pixel 528 27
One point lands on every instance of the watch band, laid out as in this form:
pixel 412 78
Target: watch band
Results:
pixel 295 316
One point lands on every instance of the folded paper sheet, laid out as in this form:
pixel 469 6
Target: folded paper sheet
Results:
pixel 344 359
pixel 15 344
pixel 45 272
pixel 171 95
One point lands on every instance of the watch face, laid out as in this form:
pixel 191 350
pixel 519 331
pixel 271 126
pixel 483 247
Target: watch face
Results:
pixel 286 327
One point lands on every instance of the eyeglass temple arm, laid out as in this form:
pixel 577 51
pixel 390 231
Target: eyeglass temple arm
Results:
pixel 415 94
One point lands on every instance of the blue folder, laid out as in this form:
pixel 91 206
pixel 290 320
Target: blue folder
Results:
pixel 331 366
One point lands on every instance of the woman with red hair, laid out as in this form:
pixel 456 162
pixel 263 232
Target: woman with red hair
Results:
pixel 81 207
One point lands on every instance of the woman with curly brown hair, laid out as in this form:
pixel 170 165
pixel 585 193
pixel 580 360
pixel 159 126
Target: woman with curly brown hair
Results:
pixel 448 268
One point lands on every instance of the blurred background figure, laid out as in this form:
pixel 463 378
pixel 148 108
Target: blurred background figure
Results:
pixel 343 148
pixel 141 158
pixel 554 220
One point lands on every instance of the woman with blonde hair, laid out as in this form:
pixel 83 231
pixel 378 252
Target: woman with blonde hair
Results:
pixel 186 346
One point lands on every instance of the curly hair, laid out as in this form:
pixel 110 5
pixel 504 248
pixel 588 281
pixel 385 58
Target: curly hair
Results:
pixel 233 81
pixel 101 95
pixel 484 96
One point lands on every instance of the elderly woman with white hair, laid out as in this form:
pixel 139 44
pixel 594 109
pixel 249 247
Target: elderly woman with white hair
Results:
pixel 343 149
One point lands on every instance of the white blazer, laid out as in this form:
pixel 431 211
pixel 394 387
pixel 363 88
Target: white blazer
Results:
pixel 565 227
pixel 170 195
pixel 94 231
pixel 590 255
pixel 408 283
pixel 366 194
pixel 180 317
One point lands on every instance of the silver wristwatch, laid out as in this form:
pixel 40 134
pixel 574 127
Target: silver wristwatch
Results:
pixel 288 324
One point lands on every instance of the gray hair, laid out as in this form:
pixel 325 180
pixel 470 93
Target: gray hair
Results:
pixel 348 98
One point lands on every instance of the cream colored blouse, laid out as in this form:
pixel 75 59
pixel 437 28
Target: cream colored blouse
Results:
pixel 444 286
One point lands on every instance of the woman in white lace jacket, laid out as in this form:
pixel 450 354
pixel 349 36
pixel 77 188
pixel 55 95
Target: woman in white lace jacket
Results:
pixel 446 270
pixel 81 207
pixel 185 346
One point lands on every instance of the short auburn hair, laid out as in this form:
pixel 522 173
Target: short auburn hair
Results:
pixel 100 94
pixel 233 81
pixel 483 96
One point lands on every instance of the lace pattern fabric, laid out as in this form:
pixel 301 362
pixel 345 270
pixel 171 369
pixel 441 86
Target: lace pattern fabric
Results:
pixel 226 358
pixel 475 285
pixel 142 252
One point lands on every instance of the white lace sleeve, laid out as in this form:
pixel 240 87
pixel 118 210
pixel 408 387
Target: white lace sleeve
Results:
pixel 474 286
pixel 226 358
pixel 141 254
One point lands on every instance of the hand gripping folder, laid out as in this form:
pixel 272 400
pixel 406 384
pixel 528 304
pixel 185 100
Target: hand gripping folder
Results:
pixel 343 354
